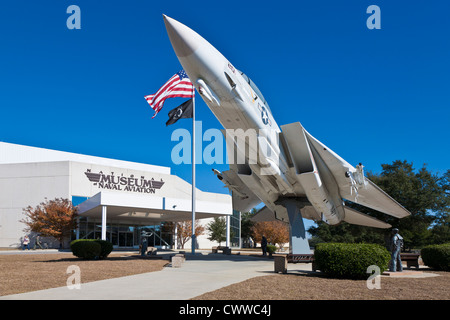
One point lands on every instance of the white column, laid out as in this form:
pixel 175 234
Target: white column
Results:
pixel 104 222
pixel 78 228
pixel 175 237
pixel 228 231
pixel 240 230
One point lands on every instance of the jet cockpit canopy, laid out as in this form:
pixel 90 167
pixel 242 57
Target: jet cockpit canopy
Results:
pixel 255 88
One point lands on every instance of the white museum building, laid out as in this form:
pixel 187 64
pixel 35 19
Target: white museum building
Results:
pixel 117 200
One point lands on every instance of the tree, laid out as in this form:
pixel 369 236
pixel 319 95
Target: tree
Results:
pixel 52 218
pixel 419 192
pixel 440 231
pixel 184 231
pixel 247 224
pixel 276 232
pixel 218 230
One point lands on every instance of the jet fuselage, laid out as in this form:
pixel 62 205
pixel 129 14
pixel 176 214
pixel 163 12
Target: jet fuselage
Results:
pixel 241 108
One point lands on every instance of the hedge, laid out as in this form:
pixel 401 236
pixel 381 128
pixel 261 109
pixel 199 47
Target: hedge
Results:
pixel 91 249
pixel 437 256
pixel 106 248
pixel 271 248
pixel 350 260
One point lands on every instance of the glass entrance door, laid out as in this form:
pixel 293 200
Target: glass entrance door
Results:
pixel 125 239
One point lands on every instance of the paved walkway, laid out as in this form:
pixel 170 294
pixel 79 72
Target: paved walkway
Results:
pixel 199 274
pixel 45 251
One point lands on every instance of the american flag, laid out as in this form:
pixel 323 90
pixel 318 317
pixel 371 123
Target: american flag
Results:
pixel 177 86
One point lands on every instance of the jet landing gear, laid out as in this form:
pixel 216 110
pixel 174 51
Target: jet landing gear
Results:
pixel 298 243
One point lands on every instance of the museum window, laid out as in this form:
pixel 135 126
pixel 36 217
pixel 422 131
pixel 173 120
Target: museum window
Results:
pixel 235 229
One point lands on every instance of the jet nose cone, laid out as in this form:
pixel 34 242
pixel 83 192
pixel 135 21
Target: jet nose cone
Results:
pixel 184 40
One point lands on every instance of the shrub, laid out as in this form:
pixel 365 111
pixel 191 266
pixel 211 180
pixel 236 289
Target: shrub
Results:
pixel 86 249
pixel 271 248
pixel 91 249
pixel 350 260
pixel 437 256
pixel 106 248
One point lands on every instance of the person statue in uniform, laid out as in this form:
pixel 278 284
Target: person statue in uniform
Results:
pixel 264 245
pixel 38 242
pixel 396 246
pixel 144 244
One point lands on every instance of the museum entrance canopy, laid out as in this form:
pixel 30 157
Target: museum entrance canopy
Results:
pixel 144 209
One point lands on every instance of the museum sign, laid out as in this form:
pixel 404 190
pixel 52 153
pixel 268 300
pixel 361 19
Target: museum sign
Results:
pixel 123 183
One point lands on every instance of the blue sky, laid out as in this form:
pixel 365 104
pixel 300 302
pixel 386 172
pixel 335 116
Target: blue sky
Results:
pixel 373 96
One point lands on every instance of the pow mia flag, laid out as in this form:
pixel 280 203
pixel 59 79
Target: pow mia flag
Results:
pixel 183 111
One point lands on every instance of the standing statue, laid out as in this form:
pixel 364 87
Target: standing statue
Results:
pixel 264 245
pixel 144 244
pixel 396 246
pixel 38 242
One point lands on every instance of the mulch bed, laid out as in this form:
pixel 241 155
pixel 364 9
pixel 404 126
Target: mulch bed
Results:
pixel 30 272
pixel 308 286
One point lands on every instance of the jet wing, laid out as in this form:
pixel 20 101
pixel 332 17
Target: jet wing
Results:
pixel 375 198
pixel 243 198
pixel 368 194
pixel 265 214
pixel 354 217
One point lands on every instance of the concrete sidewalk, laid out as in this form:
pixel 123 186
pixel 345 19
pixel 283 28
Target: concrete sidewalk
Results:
pixel 199 274
pixel 37 251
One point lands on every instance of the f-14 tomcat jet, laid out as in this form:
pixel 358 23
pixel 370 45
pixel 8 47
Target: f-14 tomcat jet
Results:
pixel 293 174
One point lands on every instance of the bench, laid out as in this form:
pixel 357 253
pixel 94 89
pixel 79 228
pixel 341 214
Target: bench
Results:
pixel 225 250
pixel 281 261
pixel 412 259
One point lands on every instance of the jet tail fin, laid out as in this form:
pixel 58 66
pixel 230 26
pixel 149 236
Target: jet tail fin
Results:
pixel 355 217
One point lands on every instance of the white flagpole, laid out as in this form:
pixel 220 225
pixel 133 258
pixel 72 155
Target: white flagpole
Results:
pixel 193 238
